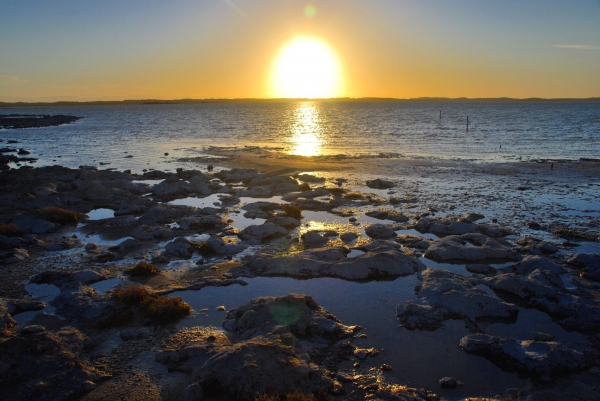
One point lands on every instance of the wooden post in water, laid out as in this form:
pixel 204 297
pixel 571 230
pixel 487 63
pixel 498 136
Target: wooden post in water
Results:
pixel 440 114
pixel 467 123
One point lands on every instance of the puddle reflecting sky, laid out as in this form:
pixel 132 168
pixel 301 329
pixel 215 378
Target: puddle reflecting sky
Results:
pixel 419 358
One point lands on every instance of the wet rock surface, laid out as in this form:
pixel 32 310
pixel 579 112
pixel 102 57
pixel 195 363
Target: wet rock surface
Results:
pixel 332 262
pixel 44 365
pixel 444 295
pixel 282 344
pixel 554 276
pixel 470 247
pixel 529 357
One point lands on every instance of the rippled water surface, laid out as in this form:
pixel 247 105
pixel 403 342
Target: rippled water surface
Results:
pixel 139 135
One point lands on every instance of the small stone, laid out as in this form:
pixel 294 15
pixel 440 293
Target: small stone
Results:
pixel 386 367
pixel 91 247
pixel 448 382
pixel 221 308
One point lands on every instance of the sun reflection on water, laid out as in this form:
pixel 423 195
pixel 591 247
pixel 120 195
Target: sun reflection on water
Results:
pixel 306 131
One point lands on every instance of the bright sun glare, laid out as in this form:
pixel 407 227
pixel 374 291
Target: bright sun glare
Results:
pixel 306 68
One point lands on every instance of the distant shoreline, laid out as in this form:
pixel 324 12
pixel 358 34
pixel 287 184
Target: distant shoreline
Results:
pixel 259 100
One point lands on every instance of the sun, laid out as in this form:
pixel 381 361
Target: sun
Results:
pixel 306 68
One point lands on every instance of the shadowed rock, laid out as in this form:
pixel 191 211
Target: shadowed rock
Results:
pixel 380 262
pixel 254 235
pixel 444 295
pixel 529 357
pixel 281 344
pixel 471 247
pixel 46 366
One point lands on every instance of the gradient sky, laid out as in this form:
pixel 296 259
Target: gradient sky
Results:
pixel 104 50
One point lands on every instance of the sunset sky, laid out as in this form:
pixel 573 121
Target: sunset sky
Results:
pixel 112 50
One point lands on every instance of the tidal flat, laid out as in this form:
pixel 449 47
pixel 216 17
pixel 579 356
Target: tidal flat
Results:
pixel 353 278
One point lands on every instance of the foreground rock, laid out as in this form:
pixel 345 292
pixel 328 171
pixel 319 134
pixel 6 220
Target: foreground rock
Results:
pixel 444 295
pixel 451 227
pixel 281 344
pixel 387 215
pixel 530 357
pixel 46 366
pixel 590 263
pixel 377 262
pixel 255 235
pixel 471 247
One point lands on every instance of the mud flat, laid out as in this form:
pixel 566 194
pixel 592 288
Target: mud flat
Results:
pixel 410 281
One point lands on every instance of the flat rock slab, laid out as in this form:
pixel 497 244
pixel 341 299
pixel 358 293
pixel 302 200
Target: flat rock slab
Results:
pixel 445 295
pixel 332 262
pixel 281 344
pixel 451 227
pixel 470 247
pixel 529 357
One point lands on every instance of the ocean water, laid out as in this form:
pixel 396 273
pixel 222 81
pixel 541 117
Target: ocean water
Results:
pixel 498 131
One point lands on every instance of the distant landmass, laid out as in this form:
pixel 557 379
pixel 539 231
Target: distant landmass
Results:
pixel 256 100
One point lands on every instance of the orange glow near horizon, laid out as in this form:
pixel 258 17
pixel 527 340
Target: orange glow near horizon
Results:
pixel 306 68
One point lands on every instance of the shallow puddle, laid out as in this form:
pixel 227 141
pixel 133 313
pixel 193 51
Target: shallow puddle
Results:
pixel 415 233
pixel 107 285
pixel 208 201
pixel 43 292
pixel 148 182
pixel 240 222
pixel 419 358
pixel 100 214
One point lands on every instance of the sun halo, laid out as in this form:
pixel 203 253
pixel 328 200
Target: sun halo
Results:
pixel 306 68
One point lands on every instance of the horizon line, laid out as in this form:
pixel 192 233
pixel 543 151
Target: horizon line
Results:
pixel 249 99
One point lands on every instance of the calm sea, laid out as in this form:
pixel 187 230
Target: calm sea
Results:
pixel 498 131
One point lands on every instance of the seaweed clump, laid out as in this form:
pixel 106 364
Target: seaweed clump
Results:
pixel 161 310
pixel 143 269
pixel 293 211
pixel 58 215
pixel 571 234
pixel 10 230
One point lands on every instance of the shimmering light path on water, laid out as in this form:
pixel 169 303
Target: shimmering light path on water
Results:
pixel 498 131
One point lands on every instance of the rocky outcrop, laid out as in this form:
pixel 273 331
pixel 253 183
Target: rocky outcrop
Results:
pixel 388 215
pixel 180 247
pixel 46 366
pixel 220 247
pixel 444 227
pixel 379 183
pixel 590 263
pixel 529 357
pixel 9 307
pixel 380 231
pixel 255 235
pixel 281 344
pixel 332 262
pixel 470 247
pixel 534 285
pixel 444 295
pixel 313 239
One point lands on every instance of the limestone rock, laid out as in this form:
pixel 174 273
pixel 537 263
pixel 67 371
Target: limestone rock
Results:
pixel 380 231
pixel 470 247
pixel 445 295
pixel 529 357
pixel 254 235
